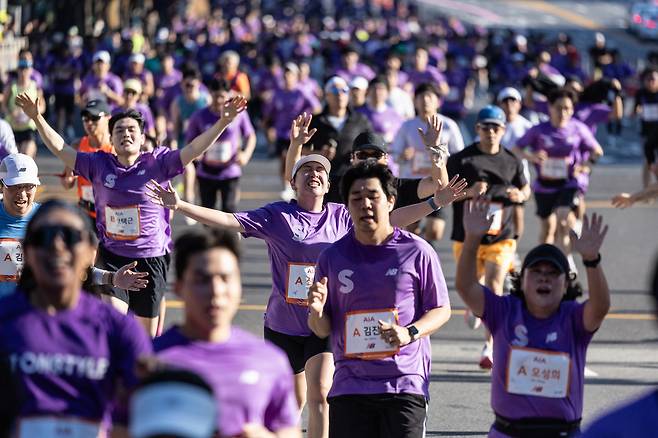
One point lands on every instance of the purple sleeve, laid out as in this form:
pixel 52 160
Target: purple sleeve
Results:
pixel 433 288
pixel 528 139
pixel 83 165
pixel 599 113
pixel 578 324
pixel 282 411
pixel 132 343
pixel 312 102
pixel 541 106
pixel 193 127
pixel 495 310
pixel 170 162
pixel 149 123
pixel 246 127
pixel 116 85
pixel 322 270
pixel 255 222
pixel 588 141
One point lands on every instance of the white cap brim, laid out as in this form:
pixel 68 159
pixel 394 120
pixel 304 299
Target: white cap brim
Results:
pixel 21 180
pixel 316 158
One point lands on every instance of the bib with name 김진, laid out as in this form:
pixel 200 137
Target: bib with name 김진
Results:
pixel 300 279
pixel 538 372
pixel 362 335
pixel 11 259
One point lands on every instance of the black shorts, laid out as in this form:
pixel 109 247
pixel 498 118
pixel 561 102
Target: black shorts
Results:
pixel 65 102
pixel 23 136
pixel 145 302
pixel 650 149
pixel 547 203
pixel 377 415
pixel 228 188
pixel 298 348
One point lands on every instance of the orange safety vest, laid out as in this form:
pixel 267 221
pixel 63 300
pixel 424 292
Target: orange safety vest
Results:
pixel 85 146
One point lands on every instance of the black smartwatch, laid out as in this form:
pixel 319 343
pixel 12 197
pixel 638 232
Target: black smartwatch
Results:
pixel 413 332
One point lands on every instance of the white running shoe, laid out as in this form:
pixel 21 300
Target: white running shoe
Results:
pixel 486 358
pixel 471 320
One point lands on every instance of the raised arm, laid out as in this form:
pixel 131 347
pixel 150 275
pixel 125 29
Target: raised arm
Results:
pixel 476 224
pixel 624 200
pixel 199 145
pixel 453 191
pixel 54 142
pixel 588 245
pixel 168 198
pixel 299 136
pixel 438 151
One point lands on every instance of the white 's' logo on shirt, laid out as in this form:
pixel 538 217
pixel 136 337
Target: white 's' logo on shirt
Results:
pixel 347 285
pixel 249 377
pixel 551 337
pixel 392 272
pixel 110 180
pixel 520 336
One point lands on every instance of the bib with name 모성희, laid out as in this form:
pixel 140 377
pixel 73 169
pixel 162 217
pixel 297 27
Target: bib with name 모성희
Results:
pixel 362 335
pixel 538 372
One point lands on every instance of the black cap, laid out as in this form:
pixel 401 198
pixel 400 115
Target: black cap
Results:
pixel 96 108
pixel 369 140
pixel 546 253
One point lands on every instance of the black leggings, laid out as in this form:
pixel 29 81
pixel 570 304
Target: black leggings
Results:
pixel 228 189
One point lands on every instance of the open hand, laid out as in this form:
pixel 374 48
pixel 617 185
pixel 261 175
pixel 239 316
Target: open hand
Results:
pixel 299 132
pixel 591 237
pixel 477 220
pixel 29 105
pixel 453 192
pixel 127 279
pixel 166 197
pixel 623 200
pixel 431 137
pixel 232 108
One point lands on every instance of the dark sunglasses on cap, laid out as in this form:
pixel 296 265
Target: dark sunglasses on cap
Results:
pixel 366 155
pixel 44 236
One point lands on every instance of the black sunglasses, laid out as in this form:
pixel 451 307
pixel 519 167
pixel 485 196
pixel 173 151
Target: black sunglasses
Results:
pixel 43 237
pixel 365 155
pixel 90 118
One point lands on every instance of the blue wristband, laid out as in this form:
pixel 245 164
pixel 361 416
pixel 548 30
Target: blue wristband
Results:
pixel 432 204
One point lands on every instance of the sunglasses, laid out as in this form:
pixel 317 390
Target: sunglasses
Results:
pixel 490 126
pixel 90 118
pixel 366 155
pixel 129 91
pixel 43 237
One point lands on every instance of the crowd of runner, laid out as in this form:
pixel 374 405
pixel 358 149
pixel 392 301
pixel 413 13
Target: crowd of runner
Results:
pixel 371 121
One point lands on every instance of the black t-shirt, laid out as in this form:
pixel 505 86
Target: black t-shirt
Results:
pixel 649 103
pixel 407 193
pixel 500 171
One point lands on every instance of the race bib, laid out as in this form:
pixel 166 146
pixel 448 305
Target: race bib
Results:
pixel 300 279
pixel 422 163
pixel 87 193
pixel 362 338
pixel 538 372
pixel 11 259
pixel 554 168
pixel 53 427
pixel 495 211
pixel 122 223
pixel 219 153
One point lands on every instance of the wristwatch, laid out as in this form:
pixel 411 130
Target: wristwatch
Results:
pixel 413 332
pixel 432 204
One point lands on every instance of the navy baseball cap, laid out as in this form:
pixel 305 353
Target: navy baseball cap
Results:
pixel 492 114
pixel 546 253
pixel 369 140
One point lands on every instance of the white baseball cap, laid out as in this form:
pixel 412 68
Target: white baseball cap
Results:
pixel 102 55
pixel 18 169
pixel 507 93
pixel 172 408
pixel 316 158
pixel 360 83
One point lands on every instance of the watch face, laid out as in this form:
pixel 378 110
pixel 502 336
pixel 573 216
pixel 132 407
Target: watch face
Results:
pixel 413 331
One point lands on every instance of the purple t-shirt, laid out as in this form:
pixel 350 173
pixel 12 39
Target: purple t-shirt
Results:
pixel 91 84
pixel 251 378
pixel 285 106
pixel 220 161
pixel 360 70
pixel 565 147
pixel 386 122
pixel 166 82
pixel 513 327
pixel 404 274
pixel 129 223
pixel 591 114
pixel 295 238
pixel 67 364
pixel 431 75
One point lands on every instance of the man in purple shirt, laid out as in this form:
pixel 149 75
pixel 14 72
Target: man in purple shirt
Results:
pixel 251 378
pixel 423 72
pixel 350 67
pixel 131 227
pixel 220 167
pixel 540 332
pixel 100 83
pixel 379 293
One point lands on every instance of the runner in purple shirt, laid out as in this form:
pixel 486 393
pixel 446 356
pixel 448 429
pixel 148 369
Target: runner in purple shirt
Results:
pixel 129 226
pixel 251 378
pixel 425 73
pixel 385 120
pixel 68 351
pixel 540 332
pixel 557 149
pixel 379 323
pixel 100 83
pixel 220 167
pixel 350 67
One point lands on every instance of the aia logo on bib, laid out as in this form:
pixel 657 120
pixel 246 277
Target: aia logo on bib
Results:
pixel 110 180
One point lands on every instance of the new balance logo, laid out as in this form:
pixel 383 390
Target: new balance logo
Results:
pixel 551 337
pixel 392 272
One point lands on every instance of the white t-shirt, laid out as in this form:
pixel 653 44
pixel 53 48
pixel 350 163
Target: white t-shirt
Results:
pixel 515 130
pixel 401 102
